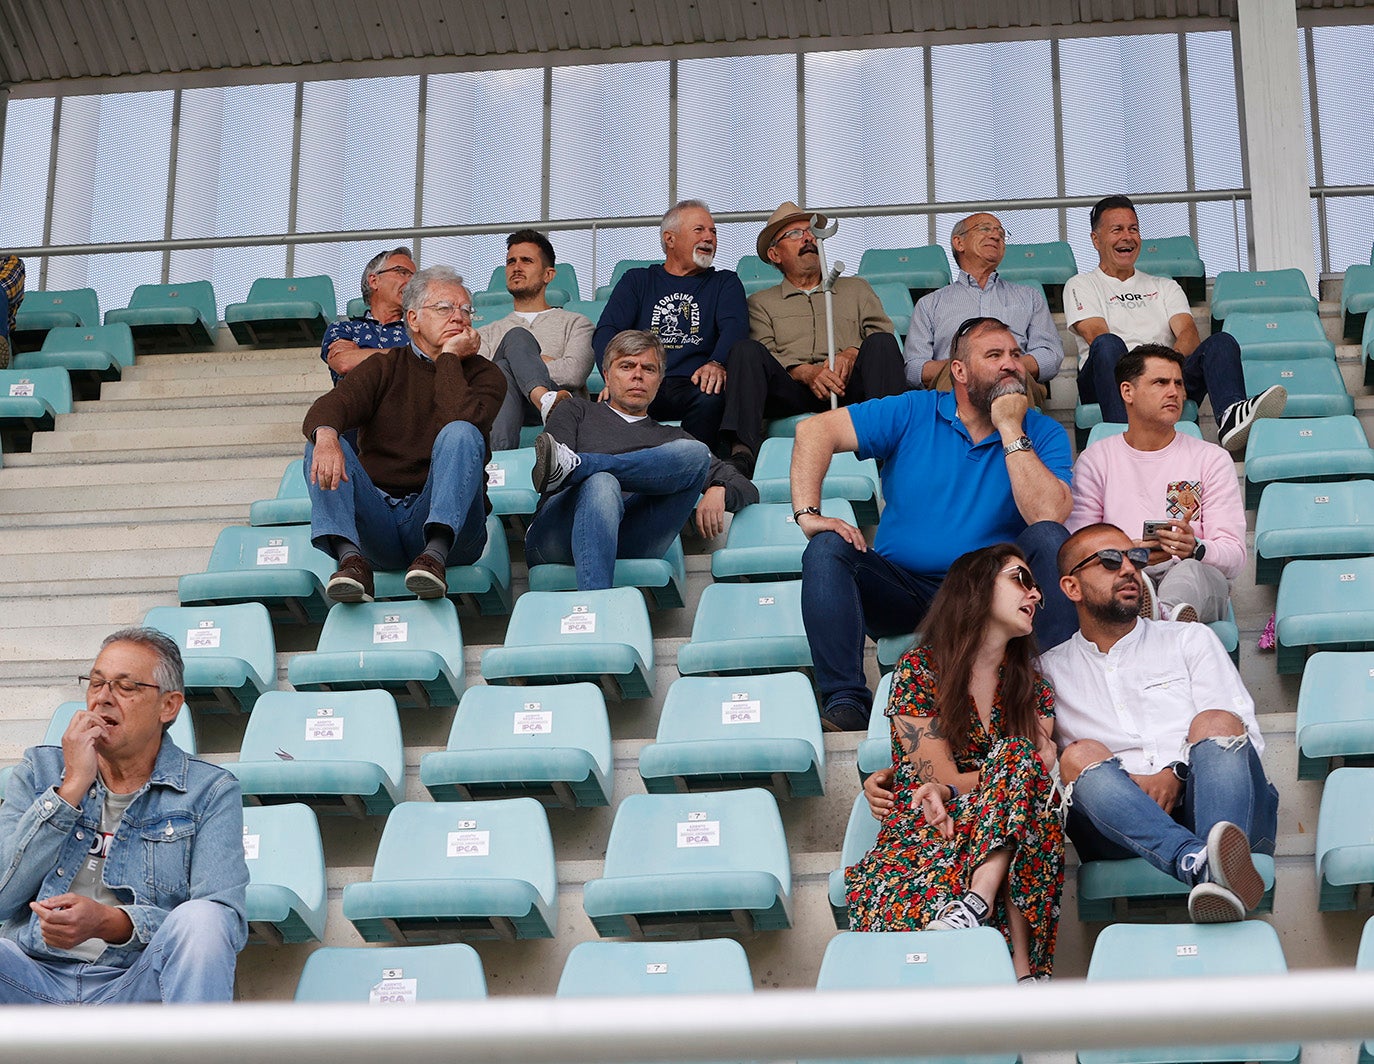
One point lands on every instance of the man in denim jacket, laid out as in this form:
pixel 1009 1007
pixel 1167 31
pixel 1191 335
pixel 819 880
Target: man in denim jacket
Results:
pixel 122 875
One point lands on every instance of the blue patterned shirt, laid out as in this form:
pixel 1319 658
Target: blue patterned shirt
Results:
pixel 366 331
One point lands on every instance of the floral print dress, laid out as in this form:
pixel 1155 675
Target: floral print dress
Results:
pixel 912 871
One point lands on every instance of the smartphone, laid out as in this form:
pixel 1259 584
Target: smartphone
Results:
pixel 1152 529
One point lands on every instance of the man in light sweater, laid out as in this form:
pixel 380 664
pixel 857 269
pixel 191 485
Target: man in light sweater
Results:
pixel 1184 488
pixel 557 364
pixel 617 484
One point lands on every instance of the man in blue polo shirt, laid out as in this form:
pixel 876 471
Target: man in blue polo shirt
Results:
pixel 960 470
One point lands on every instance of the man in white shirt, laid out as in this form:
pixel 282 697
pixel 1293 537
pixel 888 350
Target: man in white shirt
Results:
pixel 1116 308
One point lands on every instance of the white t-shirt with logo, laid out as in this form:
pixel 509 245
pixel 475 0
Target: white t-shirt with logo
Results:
pixel 90 881
pixel 1137 309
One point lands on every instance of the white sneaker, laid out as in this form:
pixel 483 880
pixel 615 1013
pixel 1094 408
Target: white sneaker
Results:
pixel 1149 600
pixel 1237 418
pixel 1211 903
pixel 553 461
pixel 549 400
pixel 1183 611
pixel 961 914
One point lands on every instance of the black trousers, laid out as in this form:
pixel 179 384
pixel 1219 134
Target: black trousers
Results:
pixel 679 399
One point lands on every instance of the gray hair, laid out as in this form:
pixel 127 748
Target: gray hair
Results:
pixel 673 218
pixel 168 673
pixel 374 263
pixel 634 342
pixel 418 286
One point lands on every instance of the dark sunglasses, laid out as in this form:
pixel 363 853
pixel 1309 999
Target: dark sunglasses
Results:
pixel 1111 559
pixel 1022 576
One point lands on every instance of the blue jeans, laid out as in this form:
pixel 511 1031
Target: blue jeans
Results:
pixel 518 357
pixel 613 506
pixel 846 592
pixel 1111 818
pixel 392 532
pixel 189 960
pixel 1214 370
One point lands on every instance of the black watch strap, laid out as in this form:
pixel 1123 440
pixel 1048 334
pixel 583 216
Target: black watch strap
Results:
pixel 797 515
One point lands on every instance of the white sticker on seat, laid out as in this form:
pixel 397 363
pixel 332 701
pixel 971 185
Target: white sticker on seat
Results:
pixel 275 553
pixel 496 478
pixel 469 843
pixel 22 390
pixel 391 630
pixel 393 992
pixel 206 637
pixel 534 722
pixel 324 729
pixel 698 833
pixel 745 711
pixel 251 846
pixel 577 623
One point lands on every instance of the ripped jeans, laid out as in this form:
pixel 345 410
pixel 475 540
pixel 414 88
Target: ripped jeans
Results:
pixel 1111 818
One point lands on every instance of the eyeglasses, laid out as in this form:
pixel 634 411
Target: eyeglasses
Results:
pixel 1111 558
pixel 1022 576
pixel 995 230
pixel 447 310
pixel 792 234
pixel 121 685
pixel 404 271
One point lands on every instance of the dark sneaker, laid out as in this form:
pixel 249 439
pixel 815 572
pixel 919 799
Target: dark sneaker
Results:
pixel 353 581
pixel 553 461
pixel 1237 418
pixel 962 914
pixel 843 716
pixel 426 578
pixel 1230 865
pixel 1211 903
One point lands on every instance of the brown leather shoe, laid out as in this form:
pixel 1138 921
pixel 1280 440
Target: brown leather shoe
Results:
pixel 426 578
pixel 353 581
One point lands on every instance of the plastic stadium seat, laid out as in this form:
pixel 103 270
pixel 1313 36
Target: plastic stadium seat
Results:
pixel 645 969
pixel 741 629
pixel 875 751
pixel 393 975
pixel 1309 450
pixel 1323 605
pixel 917 960
pixel 229 653
pixel 693 862
pixel 1334 520
pixel 286 882
pixel 561 291
pixel 603 293
pixel 725 731
pixel 764 542
pixel 31 399
pixel 41 311
pixel 88 354
pixel 1128 952
pixel 292 504
pixel 510 487
pixel 1357 297
pixel 413 650
pixel 1345 838
pixel 596 383
pixel 1335 713
pixel 278 567
pixel 860 833
pixel 590 309
pixel 1049 265
pixel 892 647
pixel 453 870
pixel 756 274
pixel 1132 888
pixel 1103 429
pixel 1280 335
pixel 1315 386
pixel 1176 257
pixel 897 304
pixel 170 317
pixel 847 478
pixel 480 588
pixel 1262 291
pixel 182 729
pixel 785 427
pixel 284 311
pixel 571 636
pixel 663 579
pixel 1228 633
pixel 357 307
pixel 921 270
pixel 337 752
pixel 490 309
pixel 1087 415
pixel 548 743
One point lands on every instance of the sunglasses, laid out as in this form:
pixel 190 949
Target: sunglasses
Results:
pixel 1022 576
pixel 1111 559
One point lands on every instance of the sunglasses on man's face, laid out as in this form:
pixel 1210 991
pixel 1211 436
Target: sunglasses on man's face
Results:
pixel 1110 559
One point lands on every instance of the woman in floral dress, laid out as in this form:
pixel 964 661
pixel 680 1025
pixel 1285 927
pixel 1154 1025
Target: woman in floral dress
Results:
pixel 973 836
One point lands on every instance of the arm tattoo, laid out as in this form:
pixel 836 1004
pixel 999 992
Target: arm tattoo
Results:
pixel 910 732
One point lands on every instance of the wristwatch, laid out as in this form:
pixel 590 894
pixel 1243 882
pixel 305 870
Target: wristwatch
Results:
pixel 797 515
pixel 1181 770
pixel 1199 551
pixel 1022 444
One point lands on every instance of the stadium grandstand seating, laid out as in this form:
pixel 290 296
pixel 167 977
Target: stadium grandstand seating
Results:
pixel 393 975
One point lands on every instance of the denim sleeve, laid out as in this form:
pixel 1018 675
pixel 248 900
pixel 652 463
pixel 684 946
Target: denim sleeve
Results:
pixel 33 827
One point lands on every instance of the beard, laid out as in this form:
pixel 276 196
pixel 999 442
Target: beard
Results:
pixel 1113 610
pixel 982 396
pixel 703 258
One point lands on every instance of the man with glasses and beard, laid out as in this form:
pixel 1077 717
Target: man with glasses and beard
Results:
pixel 960 470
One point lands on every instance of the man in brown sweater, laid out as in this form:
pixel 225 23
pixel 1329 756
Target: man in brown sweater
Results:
pixel 416 487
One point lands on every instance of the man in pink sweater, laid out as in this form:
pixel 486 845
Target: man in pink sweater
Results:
pixel 1184 488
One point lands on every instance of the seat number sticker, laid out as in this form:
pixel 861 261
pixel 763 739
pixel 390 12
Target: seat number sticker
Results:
pixel 533 720
pixel 391 630
pixel 916 958
pixel 656 968
pixel 496 476
pixel 24 389
pixel 579 622
pixel 1185 951
pixel 275 553
pixel 251 846
pixel 323 727
pixel 469 843
pixel 741 709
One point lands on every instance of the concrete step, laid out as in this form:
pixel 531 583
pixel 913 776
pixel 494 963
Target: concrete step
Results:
pixel 287 398
pixel 162 437
pixel 266 385
pixel 113 502
pixel 16 478
pixel 218 367
pixel 134 420
pixel 282 452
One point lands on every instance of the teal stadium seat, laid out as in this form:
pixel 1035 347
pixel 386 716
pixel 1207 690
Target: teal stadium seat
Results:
pixel 847 478
pixel 413 650
pixel 229 653
pixel 1308 450
pixel 490 309
pixel 1335 719
pixel 875 751
pixel 480 588
pixel 277 566
pixel 1315 386
pixel 649 969
pixel 916 961
pixel 892 647
pixel 1124 953
pixel 337 753
pixel 1364 961
pixel 552 744
pixel 90 355
pixel 897 305
pixel 1280 336
pixel 287 899
pixel 1323 605
pixel 1049 265
pixel 1133 889
pixel 170 317
pixel 741 629
pixel 1261 291
pixel 783 427
pixel 447 871
pixel 622 267
pixel 664 579
pixel 1228 633
pixel 691 863
pixel 764 542
pixel 1345 840
pixel 1367 351
pixel 1088 415
pixel 920 270
pixel 31 399
pixel 714 732
pixel 756 274
pixel 357 307
pixel 860 833
pixel 284 311
pixel 590 309
pixel 510 487
pixel 41 311
pixel 1176 257
pixel 181 730
pixel 1104 429
pixel 561 291
pixel 1357 297
pixel 392 975
pixel 572 636
pixel 1334 520
pixel 292 504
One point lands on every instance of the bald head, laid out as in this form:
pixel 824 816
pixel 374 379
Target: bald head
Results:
pixel 978 243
